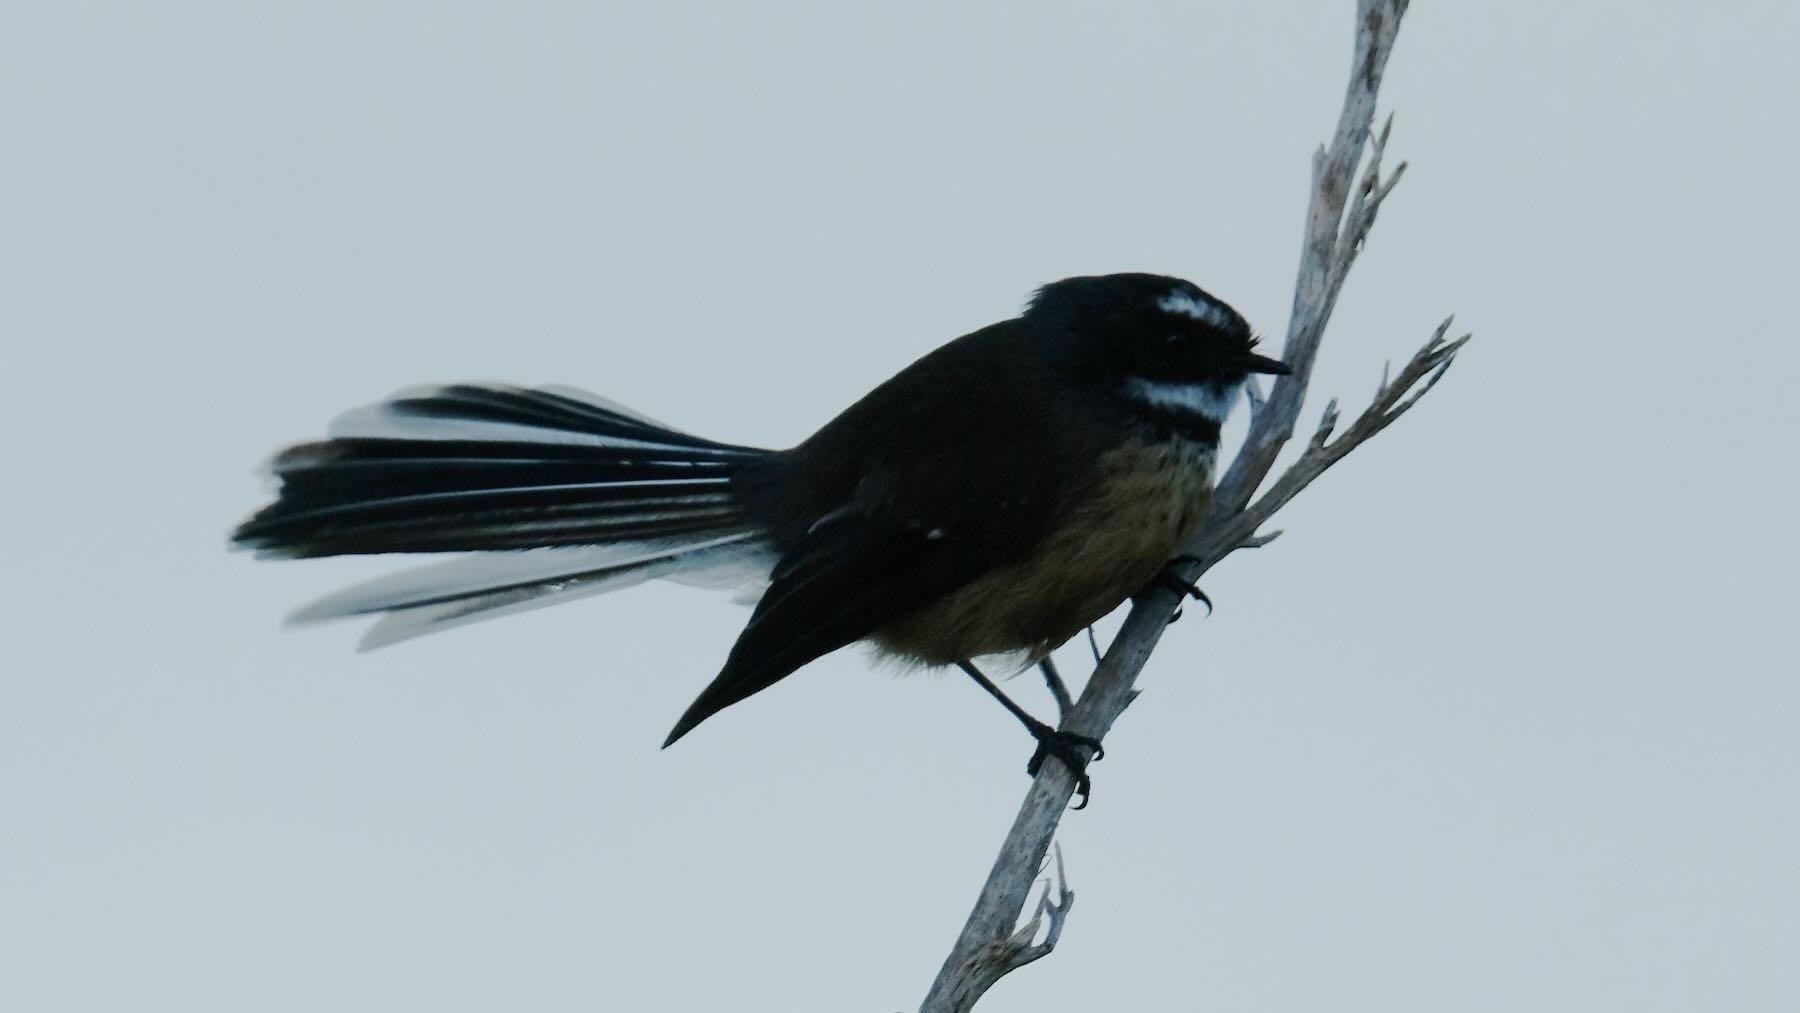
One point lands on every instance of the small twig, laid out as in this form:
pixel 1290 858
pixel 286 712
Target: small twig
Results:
pixel 1425 369
pixel 1258 541
pixel 1022 950
pixel 1328 420
pixel 1058 688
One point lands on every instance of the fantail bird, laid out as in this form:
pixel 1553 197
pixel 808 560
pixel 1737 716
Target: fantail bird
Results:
pixel 996 496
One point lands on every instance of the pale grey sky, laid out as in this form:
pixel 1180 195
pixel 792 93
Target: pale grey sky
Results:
pixel 1506 721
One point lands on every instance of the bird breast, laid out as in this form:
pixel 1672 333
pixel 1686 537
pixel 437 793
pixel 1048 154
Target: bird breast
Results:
pixel 1111 537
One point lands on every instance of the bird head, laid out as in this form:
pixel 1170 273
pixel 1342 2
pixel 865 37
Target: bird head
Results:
pixel 1159 340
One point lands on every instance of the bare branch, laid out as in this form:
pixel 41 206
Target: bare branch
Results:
pixel 1426 368
pixel 1341 213
pixel 1322 269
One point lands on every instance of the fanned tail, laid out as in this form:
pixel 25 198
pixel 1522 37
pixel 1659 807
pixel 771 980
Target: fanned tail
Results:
pixel 564 495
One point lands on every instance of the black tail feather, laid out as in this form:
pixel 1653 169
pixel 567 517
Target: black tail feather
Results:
pixel 486 468
pixel 546 409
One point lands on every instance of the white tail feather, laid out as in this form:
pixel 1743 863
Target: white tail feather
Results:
pixel 495 571
pixel 487 586
pixel 405 624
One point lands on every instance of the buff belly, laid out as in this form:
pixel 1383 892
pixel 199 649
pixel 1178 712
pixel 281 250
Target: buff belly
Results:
pixel 1108 544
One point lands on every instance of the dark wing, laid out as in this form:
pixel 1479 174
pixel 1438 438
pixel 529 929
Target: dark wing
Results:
pixel 844 581
pixel 865 565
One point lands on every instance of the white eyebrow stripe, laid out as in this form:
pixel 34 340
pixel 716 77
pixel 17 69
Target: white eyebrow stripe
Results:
pixel 1212 400
pixel 1203 310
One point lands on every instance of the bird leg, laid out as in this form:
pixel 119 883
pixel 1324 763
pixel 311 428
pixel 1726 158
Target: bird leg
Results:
pixel 1065 746
pixel 1186 588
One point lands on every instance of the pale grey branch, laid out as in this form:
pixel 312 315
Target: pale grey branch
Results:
pixel 1341 213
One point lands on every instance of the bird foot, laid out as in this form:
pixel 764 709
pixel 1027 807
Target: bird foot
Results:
pixel 1065 746
pixel 1187 589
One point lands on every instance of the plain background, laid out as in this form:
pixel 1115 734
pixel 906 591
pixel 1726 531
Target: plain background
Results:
pixel 1505 721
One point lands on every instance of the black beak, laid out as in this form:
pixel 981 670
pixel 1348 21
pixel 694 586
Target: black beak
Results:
pixel 1262 364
